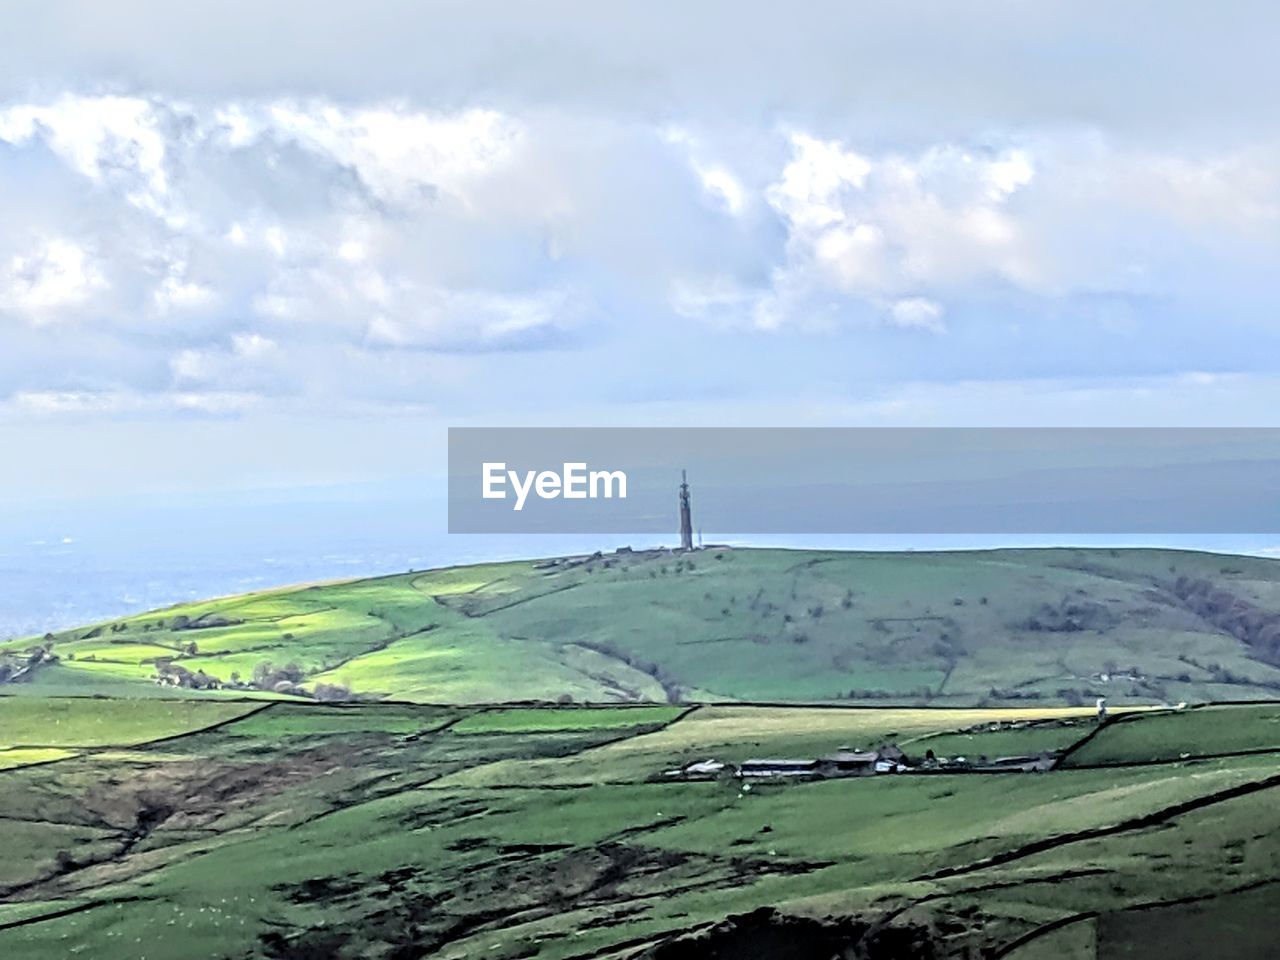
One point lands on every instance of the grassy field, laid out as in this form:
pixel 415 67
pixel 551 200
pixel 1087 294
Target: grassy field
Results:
pixel 976 628
pixel 534 719
pixel 1199 732
pixel 474 762
pixel 737 733
pixel 295 829
pixel 66 722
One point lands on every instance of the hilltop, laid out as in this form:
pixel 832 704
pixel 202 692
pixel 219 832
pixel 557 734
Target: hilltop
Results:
pixel 941 629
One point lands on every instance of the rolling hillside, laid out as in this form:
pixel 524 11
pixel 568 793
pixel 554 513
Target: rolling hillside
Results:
pixel 291 831
pixel 1034 627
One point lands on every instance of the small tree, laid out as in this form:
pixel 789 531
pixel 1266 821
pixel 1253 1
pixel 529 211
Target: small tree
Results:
pixel 262 674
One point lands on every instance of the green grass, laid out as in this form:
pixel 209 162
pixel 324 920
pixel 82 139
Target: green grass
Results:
pixel 461 821
pixel 83 722
pixel 946 629
pixel 737 733
pixel 1244 920
pixel 25 756
pixel 529 720
pixel 330 831
pixel 992 744
pixel 1199 732
pixel 304 720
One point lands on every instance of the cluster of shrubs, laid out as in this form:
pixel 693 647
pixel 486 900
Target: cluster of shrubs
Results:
pixel 1220 674
pixel 266 676
pixel 1260 629
pixel 1073 697
pixel 203 622
pixel 669 683
pixel 1070 616
pixel 288 679
pixel 920 693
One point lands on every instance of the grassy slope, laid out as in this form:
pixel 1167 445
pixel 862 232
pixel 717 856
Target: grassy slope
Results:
pixel 40 722
pixel 1207 730
pixel 941 628
pixel 341 831
pixel 183 822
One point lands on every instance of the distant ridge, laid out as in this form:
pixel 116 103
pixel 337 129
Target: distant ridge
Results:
pixel 1036 626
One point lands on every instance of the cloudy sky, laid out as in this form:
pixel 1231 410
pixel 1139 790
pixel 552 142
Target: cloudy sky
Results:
pixel 280 243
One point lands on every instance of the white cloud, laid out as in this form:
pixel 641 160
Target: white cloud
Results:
pixel 246 363
pixel 864 230
pixel 252 346
pixel 811 191
pixel 177 293
pixel 917 312
pixel 44 402
pixel 115 402
pixel 439 319
pixel 717 180
pixel 722 184
pixel 874 226
pixel 189 365
pixel 714 297
pixel 1052 216
pixel 55 275
pixel 353 251
pixel 1009 174
pixel 208 241
pixel 105 138
pixel 404 156
pixel 214 403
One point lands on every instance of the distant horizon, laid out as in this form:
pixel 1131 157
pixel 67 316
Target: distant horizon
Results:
pixel 77 564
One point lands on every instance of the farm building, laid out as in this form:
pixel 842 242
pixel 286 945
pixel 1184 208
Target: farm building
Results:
pixel 848 762
pixel 778 768
pixel 844 762
pixel 699 770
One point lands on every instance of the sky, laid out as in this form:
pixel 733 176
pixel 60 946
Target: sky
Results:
pixel 283 245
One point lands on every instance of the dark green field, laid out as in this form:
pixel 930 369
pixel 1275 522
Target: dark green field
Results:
pixel 473 763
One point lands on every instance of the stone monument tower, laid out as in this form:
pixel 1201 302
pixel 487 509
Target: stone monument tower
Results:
pixel 686 514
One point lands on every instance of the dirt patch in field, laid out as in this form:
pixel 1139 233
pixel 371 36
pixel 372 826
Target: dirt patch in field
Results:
pixel 768 934
pixel 198 793
pixel 321 889
pixel 414 912
pixel 144 805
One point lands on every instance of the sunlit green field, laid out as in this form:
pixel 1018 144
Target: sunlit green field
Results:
pixel 1012 627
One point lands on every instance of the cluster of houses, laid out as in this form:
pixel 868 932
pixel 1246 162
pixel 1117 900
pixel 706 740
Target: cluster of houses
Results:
pixel 848 762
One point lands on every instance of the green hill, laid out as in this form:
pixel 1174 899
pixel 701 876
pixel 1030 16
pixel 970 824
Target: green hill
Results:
pixel 945 629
